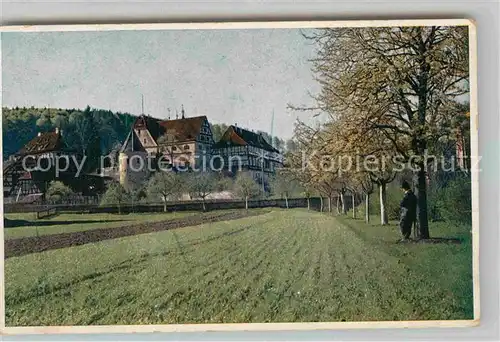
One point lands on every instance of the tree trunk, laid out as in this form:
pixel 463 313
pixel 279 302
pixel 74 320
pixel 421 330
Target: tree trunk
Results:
pixel 421 143
pixel 423 223
pixel 384 220
pixel 338 204
pixel 329 204
pixel 353 206
pixel 246 202
pixel 203 205
pixel 308 204
pixel 321 203
pixel 367 207
pixel 164 204
pixel 286 201
pixel 342 200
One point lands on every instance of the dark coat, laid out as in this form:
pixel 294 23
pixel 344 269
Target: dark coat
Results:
pixel 408 207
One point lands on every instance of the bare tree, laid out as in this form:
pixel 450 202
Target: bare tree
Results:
pixel 246 187
pixel 283 185
pixel 115 195
pixel 166 185
pixel 202 184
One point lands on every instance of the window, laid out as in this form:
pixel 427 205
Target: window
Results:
pixel 174 148
pixel 145 141
pixel 186 147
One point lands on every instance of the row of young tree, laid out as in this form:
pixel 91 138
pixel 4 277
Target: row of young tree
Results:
pixel 393 95
pixel 165 187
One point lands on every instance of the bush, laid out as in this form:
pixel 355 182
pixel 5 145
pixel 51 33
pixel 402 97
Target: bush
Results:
pixel 58 192
pixel 434 195
pixel 454 202
pixel 115 195
pixel 447 200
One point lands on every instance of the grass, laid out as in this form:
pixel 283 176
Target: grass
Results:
pixel 67 223
pixel 283 266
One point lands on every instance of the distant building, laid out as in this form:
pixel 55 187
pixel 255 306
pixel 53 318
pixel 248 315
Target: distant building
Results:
pixel 241 148
pixel 183 143
pixel 187 143
pixel 21 181
pixel 28 173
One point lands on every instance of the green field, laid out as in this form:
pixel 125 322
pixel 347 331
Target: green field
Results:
pixel 283 266
pixel 67 223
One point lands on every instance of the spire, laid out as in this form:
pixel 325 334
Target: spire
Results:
pixel 182 111
pixel 176 114
pixel 168 109
pixel 142 104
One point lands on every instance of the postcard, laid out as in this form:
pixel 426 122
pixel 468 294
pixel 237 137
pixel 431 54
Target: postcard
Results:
pixel 239 176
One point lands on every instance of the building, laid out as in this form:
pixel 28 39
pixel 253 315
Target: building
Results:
pixel 243 150
pixel 183 143
pixel 28 173
pixel 20 179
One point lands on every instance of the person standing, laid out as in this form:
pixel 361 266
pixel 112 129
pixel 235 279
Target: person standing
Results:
pixel 408 211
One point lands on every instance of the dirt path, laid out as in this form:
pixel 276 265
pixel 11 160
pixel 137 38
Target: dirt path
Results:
pixel 32 244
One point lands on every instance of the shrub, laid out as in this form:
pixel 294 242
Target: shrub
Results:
pixel 447 200
pixel 115 195
pixel 454 203
pixel 58 192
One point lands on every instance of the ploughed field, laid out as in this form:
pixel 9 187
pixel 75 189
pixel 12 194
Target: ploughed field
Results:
pixel 35 244
pixel 274 266
pixel 26 224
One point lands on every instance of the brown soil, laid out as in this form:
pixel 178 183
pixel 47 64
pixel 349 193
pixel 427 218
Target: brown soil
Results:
pixel 33 244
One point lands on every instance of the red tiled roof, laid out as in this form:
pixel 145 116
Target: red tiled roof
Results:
pixel 241 137
pixel 45 142
pixel 184 129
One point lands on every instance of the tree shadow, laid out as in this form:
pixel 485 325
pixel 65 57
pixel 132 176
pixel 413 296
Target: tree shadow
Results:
pixel 436 240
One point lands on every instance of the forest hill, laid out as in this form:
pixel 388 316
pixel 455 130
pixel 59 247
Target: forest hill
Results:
pixel 92 141
pixel 93 128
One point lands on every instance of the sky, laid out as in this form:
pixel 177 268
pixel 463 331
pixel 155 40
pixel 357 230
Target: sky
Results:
pixel 232 76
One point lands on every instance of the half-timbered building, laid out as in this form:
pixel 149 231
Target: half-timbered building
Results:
pixel 183 143
pixel 243 150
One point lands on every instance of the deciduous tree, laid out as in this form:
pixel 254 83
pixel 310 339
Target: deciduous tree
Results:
pixel 405 75
pixel 246 187
pixel 58 192
pixel 166 185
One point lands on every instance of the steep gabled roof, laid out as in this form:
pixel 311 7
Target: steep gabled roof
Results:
pixel 44 142
pixel 151 124
pixel 236 136
pixel 132 143
pixel 184 129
